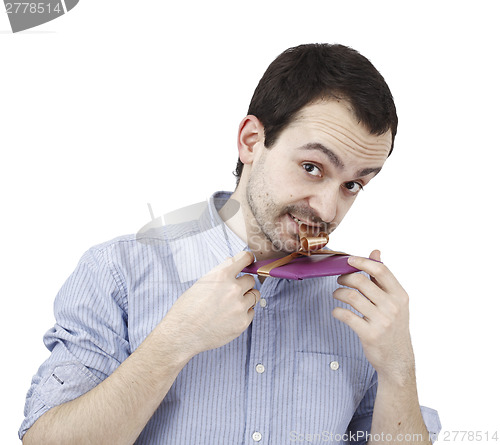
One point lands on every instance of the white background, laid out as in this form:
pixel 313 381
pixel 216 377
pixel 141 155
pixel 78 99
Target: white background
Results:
pixel 121 103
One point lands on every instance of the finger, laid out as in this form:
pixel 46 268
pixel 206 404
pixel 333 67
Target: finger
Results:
pixel 252 297
pixel 379 271
pixel 355 322
pixel 239 261
pixel 364 285
pixel 246 282
pixel 375 255
pixel 357 301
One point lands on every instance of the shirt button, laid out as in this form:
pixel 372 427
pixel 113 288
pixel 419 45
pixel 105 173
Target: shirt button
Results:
pixel 260 368
pixel 334 366
pixel 263 302
pixel 257 437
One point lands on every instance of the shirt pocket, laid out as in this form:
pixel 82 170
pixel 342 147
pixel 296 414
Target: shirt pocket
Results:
pixel 66 382
pixel 328 389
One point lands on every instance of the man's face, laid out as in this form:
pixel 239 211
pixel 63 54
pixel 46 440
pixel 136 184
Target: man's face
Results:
pixel 311 175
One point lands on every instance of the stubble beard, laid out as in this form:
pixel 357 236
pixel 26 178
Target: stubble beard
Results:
pixel 266 224
pixel 266 214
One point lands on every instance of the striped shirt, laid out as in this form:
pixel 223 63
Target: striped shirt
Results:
pixel 296 374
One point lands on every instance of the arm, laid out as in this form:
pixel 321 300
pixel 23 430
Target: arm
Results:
pixel 396 414
pixel 214 311
pixel 383 330
pixel 117 410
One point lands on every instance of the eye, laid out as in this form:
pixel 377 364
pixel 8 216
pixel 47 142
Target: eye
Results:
pixel 353 187
pixel 312 169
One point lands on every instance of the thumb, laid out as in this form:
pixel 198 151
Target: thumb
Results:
pixel 375 255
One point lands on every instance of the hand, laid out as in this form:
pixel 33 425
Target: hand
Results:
pixel 383 327
pixel 218 307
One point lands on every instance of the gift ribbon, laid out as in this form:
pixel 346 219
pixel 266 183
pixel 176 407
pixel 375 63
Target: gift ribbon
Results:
pixel 309 245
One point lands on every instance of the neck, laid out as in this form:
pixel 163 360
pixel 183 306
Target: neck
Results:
pixel 234 220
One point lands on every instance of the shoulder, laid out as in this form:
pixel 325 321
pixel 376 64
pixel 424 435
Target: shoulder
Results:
pixel 145 246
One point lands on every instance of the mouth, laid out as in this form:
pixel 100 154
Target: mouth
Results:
pixel 305 226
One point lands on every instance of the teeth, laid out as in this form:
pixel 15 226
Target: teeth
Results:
pixel 298 221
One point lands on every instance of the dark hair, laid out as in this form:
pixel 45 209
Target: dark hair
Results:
pixel 307 73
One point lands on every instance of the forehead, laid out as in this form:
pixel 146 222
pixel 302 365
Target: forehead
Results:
pixel 333 124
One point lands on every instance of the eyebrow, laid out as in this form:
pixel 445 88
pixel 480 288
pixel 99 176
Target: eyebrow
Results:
pixel 336 161
pixel 368 171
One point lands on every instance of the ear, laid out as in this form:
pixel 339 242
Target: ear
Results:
pixel 250 133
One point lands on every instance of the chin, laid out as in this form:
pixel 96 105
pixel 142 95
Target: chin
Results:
pixel 288 245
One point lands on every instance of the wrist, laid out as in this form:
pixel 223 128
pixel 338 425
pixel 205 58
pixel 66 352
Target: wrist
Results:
pixel 175 340
pixel 401 386
pixel 399 370
pixel 400 374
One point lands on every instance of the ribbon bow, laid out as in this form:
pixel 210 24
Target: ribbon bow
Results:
pixel 309 245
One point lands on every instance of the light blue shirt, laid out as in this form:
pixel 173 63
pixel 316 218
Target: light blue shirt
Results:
pixel 295 375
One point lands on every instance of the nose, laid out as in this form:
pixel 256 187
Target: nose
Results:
pixel 325 204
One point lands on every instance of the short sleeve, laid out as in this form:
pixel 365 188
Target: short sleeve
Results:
pixel 88 341
pixel 361 423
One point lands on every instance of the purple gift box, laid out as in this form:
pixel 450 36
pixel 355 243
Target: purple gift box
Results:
pixel 319 265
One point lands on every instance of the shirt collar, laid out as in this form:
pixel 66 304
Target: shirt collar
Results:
pixel 221 240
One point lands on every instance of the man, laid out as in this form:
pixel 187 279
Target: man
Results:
pixel 161 339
